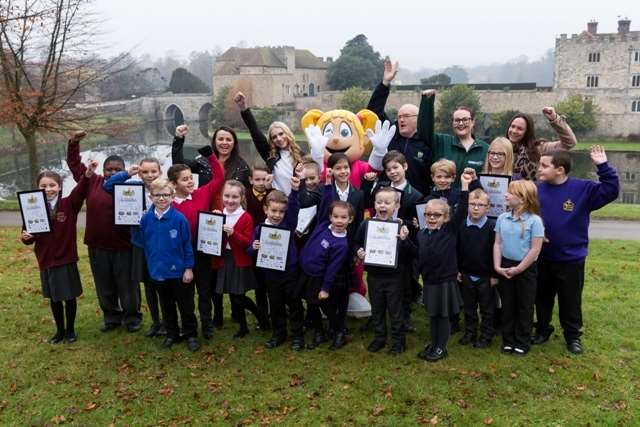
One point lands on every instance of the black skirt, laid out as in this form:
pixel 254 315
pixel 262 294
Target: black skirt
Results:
pixel 443 299
pixel 61 283
pixel 234 280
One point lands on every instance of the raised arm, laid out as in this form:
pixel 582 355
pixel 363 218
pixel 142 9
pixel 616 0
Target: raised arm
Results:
pixel 214 186
pixel 74 161
pixel 607 190
pixel 293 206
pixel 119 178
pixel 426 118
pixel 565 133
pixel 80 191
pixel 380 94
pixel 259 139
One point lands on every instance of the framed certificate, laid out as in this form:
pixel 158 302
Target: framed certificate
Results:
pixel 274 247
pixel 381 243
pixel 496 187
pixel 305 216
pixel 34 210
pixel 420 215
pixel 209 233
pixel 129 203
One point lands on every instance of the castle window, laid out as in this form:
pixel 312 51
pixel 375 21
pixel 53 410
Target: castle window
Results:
pixel 592 81
pixel 635 106
pixel 636 57
pixel 635 80
pixel 594 57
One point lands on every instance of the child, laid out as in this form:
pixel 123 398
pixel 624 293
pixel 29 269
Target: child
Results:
pixel 321 262
pixel 499 159
pixel 57 251
pixel 234 268
pixel 189 202
pixel 167 248
pixel 309 195
pixel 519 235
pixel 443 174
pixel 386 287
pixel 109 246
pixel 260 180
pixel 439 269
pixel 475 262
pixel 566 203
pixel 147 170
pixel 282 286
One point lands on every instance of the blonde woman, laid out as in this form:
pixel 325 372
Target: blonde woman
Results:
pixel 278 149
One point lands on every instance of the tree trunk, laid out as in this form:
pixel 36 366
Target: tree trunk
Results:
pixel 32 152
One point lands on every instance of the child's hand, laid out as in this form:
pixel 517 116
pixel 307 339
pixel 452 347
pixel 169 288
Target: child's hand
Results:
pixel 299 171
pixel 415 222
pixel 78 135
pixel 323 295
pixel 459 277
pixel 493 281
pixel 466 179
pixel 404 232
pixel 187 276
pixel 471 172
pixel 329 176
pixel 295 183
pixel 91 168
pixel 182 131
pixel 25 236
pixel 256 245
pixel 241 101
pixel 429 93
pixel 550 113
pixel 360 253
pixel 268 182
pixel 228 229
pixel 598 155
pixel 133 170
pixel 502 271
pixel 217 211
pixel 370 176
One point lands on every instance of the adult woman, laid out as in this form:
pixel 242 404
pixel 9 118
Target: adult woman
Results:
pixel 279 151
pixel 527 149
pixel 462 148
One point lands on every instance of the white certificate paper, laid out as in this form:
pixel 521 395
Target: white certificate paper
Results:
pixel 209 233
pixel 496 187
pixel 274 248
pixel 305 216
pixel 34 211
pixel 128 203
pixel 381 243
pixel 420 215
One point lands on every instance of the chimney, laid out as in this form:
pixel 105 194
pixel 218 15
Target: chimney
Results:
pixel 329 59
pixel 624 26
pixel 592 27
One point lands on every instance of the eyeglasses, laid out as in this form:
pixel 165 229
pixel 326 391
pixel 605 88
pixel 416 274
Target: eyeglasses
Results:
pixel 406 116
pixel 497 154
pixel 161 196
pixel 463 120
pixel 477 205
pixel 433 215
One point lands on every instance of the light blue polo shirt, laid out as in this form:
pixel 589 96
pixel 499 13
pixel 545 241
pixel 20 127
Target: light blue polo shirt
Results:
pixel 516 234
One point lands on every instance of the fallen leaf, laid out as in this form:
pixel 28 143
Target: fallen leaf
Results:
pixel 434 420
pixel 259 349
pixel 581 387
pixel 462 403
pixel 488 421
pixel 377 411
pixel 58 419
pixel 620 405
pixel 232 349
pixel 13 387
pixel 295 380
pixel 90 406
pixel 166 390
pixel 597 376
pixel 514 375
pixel 551 370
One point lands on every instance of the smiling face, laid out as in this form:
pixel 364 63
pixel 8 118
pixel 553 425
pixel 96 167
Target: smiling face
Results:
pixel 496 157
pixel 162 198
pixel 341 171
pixel 231 197
pixel 386 204
pixel 517 129
pixel 184 184
pixel 224 143
pixel 343 137
pixel 462 123
pixel 148 172
pixel 442 180
pixel 279 138
pixel 396 172
pixel 311 177
pixel 258 180
pixel 275 212
pixel 436 213
pixel 340 219
pixel 50 186
pixel 111 168
pixel 547 172
pixel 407 120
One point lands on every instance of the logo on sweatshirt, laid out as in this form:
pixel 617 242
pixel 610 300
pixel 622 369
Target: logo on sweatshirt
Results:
pixel 173 233
pixel 568 205
pixel 324 244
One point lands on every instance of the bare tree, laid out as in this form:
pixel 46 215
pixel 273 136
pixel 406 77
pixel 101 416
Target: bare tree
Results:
pixel 48 62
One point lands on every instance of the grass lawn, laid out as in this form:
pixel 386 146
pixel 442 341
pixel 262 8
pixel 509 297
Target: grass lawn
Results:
pixel 609 145
pixel 124 379
pixel 618 211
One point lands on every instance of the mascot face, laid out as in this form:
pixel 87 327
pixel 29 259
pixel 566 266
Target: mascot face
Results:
pixel 345 131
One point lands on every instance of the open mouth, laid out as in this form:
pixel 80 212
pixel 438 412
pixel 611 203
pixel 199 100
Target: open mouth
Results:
pixel 333 150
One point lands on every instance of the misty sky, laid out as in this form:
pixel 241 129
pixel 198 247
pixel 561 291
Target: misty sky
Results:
pixel 460 32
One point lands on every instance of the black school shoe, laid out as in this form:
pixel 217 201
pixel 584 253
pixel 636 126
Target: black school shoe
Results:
pixel 507 349
pixel 339 341
pixel 520 351
pixel 107 327
pixel 154 330
pixel 575 346
pixel 57 338
pixel 242 332
pixel 318 339
pixel 436 354
pixel 192 344
pixel 207 331
pixel 167 343
pixel 134 327
pixel 375 346
pixel 483 342
pixel 467 338
pixel 425 352
pixel 397 348
pixel 70 337
pixel 275 342
pixel 297 344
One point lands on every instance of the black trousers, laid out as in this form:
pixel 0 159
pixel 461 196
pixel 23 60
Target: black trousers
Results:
pixel 386 292
pixel 565 280
pixel 478 295
pixel 335 307
pixel 118 296
pixel 261 291
pixel 202 273
pixel 408 295
pixel 175 293
pixel 518 296
pixel 284 292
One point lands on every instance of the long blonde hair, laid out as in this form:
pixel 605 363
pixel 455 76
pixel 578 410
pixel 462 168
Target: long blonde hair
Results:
pixel 294 148
pixel 500 143
pixel 526 191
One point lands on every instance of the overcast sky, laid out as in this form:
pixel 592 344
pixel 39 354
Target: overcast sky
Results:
pixel 464 32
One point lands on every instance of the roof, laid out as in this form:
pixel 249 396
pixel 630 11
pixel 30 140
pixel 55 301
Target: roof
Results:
pixel 235 57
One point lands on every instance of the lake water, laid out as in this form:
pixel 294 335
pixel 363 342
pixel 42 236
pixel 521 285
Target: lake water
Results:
pixel 154 140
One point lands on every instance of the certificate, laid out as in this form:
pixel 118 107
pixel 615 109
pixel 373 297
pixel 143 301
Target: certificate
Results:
pixel 420 215
pixel 35 211
pixel 274 247
pixel 496 187
pixel 209 233
pixel 128 203
pixel 381 243
pixel 305 216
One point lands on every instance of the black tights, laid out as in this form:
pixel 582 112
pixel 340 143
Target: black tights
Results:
pixel 59 310
pixel 440 331
pixel 240 303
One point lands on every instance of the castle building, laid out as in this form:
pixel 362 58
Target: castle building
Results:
pixel 274 75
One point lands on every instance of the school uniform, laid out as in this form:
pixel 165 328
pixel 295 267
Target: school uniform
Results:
pixel 566 209
pixel 518 293
pixel 169 252
pixel 475 262
pixel 109 248
pixel 282 286
pixel 307 199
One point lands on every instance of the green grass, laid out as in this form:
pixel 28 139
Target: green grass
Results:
pixel 609 145
pixel 120 378
pixel 618 211
pixel 9 205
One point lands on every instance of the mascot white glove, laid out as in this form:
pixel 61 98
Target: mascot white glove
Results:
pixel 380 140
pixel 317 144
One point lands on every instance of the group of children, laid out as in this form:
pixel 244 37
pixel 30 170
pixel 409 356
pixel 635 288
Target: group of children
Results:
pixel 532 252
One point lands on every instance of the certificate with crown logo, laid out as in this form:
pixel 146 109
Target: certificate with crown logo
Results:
pixel 381 243
pixel 209 233
pixel 35 211
pixel 274 247
pixel 496 187
pixel 128 203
